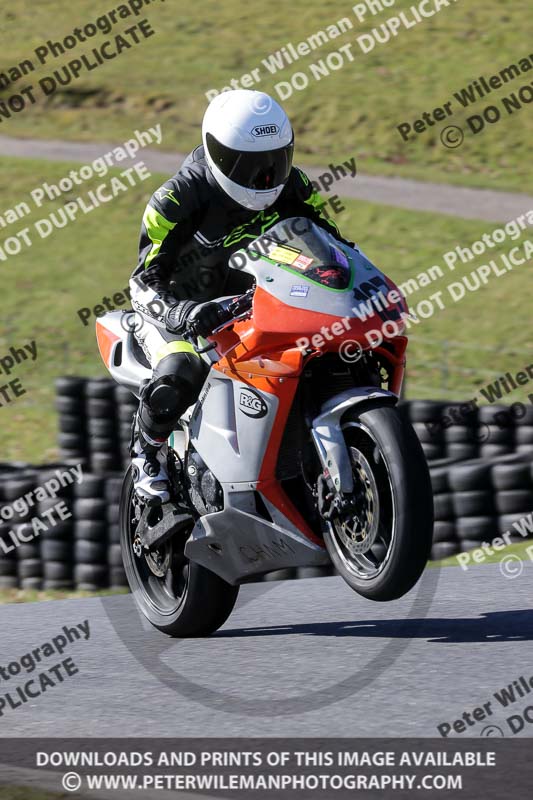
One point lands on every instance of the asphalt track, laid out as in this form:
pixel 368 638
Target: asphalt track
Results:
pixel 296 658
pixel 457 201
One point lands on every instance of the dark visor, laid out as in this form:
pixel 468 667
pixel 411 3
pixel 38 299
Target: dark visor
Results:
pixel 261 171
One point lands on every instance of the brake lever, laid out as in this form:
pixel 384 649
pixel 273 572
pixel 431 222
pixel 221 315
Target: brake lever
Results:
pixel 206 349
pixel 239 309
pixel 242 304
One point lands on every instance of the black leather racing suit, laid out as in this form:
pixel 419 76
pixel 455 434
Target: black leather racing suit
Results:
pixel 189 231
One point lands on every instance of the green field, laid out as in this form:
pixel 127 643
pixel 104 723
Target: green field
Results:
pixel 47 283
pixel 38 595
pixel 353 111
pixel 518 549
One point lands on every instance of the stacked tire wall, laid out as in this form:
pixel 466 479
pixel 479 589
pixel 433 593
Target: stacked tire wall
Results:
pixel 479 501
pixel 481 465
pixel 481 470
pixel 95 419
pixel 81 551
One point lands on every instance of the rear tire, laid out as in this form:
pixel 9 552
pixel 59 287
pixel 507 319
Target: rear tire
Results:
pixel 189 601
pixel 402 511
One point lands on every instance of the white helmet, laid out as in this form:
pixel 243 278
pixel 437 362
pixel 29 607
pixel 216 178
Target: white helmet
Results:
pixel 248 143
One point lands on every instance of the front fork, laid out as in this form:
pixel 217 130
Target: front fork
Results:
pixel 328 437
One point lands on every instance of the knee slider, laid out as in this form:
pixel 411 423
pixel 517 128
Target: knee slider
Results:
pixel 163 400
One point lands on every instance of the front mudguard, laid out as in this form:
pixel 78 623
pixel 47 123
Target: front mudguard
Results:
pixel 327 432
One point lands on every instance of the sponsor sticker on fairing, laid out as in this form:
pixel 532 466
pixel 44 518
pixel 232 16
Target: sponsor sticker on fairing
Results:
pixel 284 254
pixel 339 256
pixel 299 291
pixel 302 262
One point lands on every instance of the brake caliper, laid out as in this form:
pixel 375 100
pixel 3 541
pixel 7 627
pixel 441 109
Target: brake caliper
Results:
pixel 330 502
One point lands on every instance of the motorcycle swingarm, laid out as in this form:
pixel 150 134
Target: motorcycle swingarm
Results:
pixel 327 431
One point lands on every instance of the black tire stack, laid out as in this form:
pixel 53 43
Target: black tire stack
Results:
pixel 314 572
pixel 56 543
pixel 81 551
pixel 479 500
pixel 461 436
pixel 512 484
pixel 461 431
pixel 10 480
pixel 95 420
pixel 126 407
pixel 117 576
pixel 445 542
pixel 90 534
pixel 107 415
pixel 473 504
pixel 70 405
pixel 97 556
pixel 425 417
pixel 524 432
pixel 29 560
pixel 497 439
pixel 43 557
pixel 102 426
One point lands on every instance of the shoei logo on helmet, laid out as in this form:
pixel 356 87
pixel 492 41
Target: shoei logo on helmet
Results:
pixel 252 404
pixel 265 130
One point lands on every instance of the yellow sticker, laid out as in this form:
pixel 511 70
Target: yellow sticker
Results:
pixel 285 255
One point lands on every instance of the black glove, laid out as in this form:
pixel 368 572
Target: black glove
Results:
pixel 205 317
pixel 177 316
pixel 199 318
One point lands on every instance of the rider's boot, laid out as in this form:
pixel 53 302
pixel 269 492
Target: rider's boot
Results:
pixel 154 422
pixel 150 470
pixel 175 385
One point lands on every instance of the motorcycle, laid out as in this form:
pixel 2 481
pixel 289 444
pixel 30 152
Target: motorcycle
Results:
pixel 295 453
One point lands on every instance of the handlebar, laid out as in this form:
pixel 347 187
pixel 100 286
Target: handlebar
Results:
pixel 234 310
pixel 241 304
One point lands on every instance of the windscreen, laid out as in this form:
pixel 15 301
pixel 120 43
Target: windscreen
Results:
pixel 301 247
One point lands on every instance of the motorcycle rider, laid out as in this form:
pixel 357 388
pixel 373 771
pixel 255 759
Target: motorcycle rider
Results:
pixel 228 191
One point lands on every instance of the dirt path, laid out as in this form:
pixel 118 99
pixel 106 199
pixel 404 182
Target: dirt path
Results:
pixel 482 204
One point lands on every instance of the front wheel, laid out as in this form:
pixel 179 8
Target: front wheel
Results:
pixel 382 546
pixel 178 597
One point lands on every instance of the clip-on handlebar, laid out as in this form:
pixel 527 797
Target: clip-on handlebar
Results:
pixel 236 309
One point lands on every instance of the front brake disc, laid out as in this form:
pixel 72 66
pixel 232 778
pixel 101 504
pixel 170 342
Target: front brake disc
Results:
pixel 358 533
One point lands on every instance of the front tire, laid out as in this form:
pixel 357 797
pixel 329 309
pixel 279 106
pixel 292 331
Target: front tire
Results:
pixel 178 597
pixel 381 550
